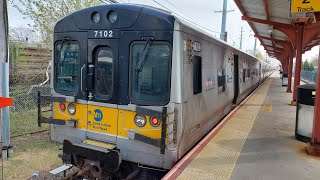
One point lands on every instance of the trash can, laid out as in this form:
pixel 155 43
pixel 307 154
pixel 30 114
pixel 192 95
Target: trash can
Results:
pixel 305 110
pixel 284 79
pixel 280 74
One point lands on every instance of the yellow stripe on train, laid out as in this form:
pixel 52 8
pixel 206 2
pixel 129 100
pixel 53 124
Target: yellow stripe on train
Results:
pixel 106 120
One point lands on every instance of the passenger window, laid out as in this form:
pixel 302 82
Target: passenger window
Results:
pixel 197 75
pixel 244 75
pixel 221 81
pixel 249 73
pixel 104 74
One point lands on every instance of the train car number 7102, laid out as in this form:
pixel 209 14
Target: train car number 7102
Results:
pixel 103 34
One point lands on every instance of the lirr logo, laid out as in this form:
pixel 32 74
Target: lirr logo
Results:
pixel 98 115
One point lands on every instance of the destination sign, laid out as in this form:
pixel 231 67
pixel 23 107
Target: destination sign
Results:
pixel 303 6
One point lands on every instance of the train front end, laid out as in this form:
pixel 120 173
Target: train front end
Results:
pixel 111 89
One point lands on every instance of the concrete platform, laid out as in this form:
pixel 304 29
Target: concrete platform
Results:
pixel 256 141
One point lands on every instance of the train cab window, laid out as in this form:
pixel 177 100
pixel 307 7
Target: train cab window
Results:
pixel 150 72
pixel 67 66
pixel 104 71
pixel 221 81
pixel 197 75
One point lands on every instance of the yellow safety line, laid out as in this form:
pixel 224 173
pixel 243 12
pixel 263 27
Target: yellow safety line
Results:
pixel 219 156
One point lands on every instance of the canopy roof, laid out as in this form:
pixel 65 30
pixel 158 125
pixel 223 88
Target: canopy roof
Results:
pixel 271 21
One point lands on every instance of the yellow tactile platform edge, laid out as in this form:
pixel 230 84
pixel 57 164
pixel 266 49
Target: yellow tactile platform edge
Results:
pixel 219 156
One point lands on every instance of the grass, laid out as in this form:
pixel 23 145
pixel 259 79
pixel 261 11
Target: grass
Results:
pixel 25 122
pixel 32 154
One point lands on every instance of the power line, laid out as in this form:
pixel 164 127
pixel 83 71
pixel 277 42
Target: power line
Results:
pixel 173 5
pixel 106 2
pixel 122 1
pixel 234 42
pixel 184 18
pixel 241 37
pixel 112 1
pixel 116 1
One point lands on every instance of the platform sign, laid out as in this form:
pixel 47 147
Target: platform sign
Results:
pixel 304 6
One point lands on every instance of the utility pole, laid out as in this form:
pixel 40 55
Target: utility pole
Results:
pixel 255 48
pixel 241 38
pixel 4 79
pixel 224 20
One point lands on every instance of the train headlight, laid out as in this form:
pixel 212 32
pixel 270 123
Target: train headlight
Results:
pixel 95 17
pixel 72 109
pixel 140 120
pixel 112 16
pixel 155 122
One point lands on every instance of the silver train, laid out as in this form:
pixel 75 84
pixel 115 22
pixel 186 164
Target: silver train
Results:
pixel 134 87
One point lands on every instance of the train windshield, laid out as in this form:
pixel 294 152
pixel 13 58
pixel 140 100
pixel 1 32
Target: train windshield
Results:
pixel 150 69
pixel 67 65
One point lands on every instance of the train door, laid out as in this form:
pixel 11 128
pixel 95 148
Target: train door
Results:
pixel 236 78
pixel 102 90
pixel 260 74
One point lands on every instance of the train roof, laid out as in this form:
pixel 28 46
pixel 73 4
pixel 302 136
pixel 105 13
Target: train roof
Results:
pixel 201 30
pixel 198 28
pixel 137 16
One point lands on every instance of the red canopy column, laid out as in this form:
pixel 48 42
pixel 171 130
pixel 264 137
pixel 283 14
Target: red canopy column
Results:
pixel 298 63
pixel 305 35
pixel 290 72
pixel 314 145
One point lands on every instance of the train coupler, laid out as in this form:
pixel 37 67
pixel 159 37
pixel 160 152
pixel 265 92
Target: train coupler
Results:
pixel 93 161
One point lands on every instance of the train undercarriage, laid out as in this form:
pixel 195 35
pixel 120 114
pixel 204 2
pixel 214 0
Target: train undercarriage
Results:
pixel 107 165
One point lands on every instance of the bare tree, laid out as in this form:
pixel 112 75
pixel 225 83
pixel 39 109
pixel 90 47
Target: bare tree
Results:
pixel 23 34
pixel 45 13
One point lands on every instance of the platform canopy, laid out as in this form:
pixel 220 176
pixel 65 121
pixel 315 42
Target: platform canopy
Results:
pixel 273 22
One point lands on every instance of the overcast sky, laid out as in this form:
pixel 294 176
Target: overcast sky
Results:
pixel 200 12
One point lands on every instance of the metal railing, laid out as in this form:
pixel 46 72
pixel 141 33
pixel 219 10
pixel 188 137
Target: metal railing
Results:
pixel 310 76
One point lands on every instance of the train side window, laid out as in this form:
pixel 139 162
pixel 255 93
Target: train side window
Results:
pixel 249 73
pixel 244 75
pixel 221 81
pixel 197 75
pixel 104 71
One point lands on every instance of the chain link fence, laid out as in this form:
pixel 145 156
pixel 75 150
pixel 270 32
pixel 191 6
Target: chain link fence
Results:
pixel 29 69
pixel 310 76
pixel 24 112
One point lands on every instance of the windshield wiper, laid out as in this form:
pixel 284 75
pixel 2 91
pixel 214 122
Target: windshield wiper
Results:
pixel 67 50
pixel 144 55
pixel 65 54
